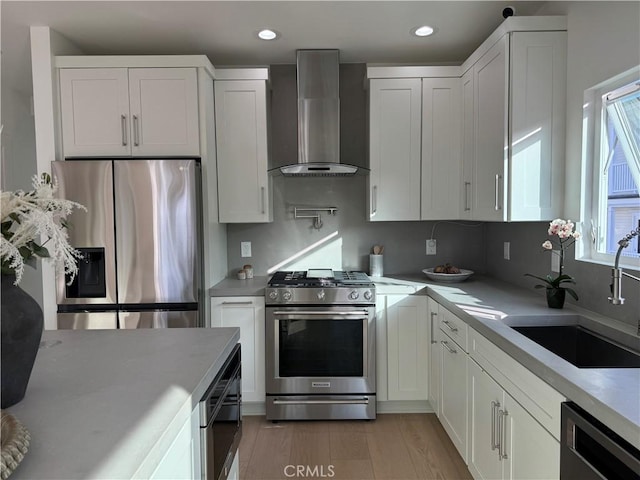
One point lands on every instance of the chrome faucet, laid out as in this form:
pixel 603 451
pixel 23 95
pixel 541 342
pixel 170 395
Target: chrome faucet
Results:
pixel 617 273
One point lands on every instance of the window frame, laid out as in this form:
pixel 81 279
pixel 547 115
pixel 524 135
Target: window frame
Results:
pixel 595 150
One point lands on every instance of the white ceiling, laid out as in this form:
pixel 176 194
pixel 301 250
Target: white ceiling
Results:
pixel 225 31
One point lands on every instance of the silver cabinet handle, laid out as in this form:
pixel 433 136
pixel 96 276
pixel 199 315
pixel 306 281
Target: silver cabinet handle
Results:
pixel 446 345
pixel 374 200
pixel 433 314
pixel 262 202
pixel 123 125
pixel 497 199
pixel 467 188
pixel 358 401
pixel 448 324
pixel 238 303
pixel 136 132
pixel 502 424
pixel 494 426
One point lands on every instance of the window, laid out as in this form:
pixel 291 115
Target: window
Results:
pixel 611 146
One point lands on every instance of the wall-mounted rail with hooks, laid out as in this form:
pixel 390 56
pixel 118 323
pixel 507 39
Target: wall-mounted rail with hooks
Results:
pixel 314 212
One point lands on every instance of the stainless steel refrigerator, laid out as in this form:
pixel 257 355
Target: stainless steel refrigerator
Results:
pixel 141 243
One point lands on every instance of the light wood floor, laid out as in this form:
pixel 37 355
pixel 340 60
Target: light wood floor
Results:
pixel 392 447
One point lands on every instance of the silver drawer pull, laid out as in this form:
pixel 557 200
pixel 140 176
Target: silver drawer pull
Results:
pixel 494 421
pixel 433 314
pixel 448 324
pixel 238 303
pixel 355 401
pixel 123 125
pixel 446 345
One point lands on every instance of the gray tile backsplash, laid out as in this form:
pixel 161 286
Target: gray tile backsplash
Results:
pixel 346 239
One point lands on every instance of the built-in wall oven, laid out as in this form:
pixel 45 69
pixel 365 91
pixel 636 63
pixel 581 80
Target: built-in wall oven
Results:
pixel 320 346
pixel 589 450
pixel 220 420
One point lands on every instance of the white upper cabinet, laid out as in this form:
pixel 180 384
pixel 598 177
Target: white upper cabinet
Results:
pixel 129 112
pixel 441 148
pixel 164 111
pixel 395 110
pixel 468 146
pixel 490 115
pixel 516 129
pixel 244 186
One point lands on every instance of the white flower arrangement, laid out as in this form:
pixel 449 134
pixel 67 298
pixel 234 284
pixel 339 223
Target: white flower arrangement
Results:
pixel 564 229
pixel 26 217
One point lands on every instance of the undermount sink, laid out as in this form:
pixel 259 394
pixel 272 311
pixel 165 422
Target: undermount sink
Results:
pixel 580 346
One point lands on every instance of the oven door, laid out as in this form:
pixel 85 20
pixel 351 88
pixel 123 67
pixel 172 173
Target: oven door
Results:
pixel 320 350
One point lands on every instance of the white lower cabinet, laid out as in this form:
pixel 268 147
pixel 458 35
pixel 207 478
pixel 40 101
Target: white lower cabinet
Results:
pixel 182 459
pixel 505 441
pixel 434 356
pixel 453 393
pixel 407 347
pixel 247 313
pixel 402 347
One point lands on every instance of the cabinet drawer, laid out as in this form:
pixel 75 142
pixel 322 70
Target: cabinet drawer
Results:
pixel 535 395
pixel 454 328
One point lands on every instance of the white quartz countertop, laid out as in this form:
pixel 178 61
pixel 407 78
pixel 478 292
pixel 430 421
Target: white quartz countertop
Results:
pixel 108 403
pixel 232 287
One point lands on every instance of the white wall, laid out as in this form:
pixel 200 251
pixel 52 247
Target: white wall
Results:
pixel 603 41
pixel 45 45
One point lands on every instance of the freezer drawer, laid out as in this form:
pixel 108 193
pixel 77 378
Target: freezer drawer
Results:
pixel 88 321
pixel 159 319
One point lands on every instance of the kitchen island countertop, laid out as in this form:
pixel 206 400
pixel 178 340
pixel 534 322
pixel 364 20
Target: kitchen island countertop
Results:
pixel 109 403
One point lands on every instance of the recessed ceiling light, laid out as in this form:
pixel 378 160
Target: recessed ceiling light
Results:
pixel 423 31
pixel 267 34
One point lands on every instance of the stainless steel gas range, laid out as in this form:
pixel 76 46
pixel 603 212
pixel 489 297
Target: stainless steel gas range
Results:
pixel 320 346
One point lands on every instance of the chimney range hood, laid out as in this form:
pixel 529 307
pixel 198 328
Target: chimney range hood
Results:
pixel 318 116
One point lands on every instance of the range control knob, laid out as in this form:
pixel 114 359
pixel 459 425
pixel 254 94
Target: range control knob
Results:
pixel 286 296
pixel 368 295
pixel 273 294
pixel 321 295
pixel 354 295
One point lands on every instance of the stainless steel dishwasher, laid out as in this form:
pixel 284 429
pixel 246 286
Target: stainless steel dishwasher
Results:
pixel 590 450
pixel 220 419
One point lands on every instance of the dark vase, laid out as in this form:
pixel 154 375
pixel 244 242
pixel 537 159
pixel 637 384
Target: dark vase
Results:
pixel 555 297
pixel 22 323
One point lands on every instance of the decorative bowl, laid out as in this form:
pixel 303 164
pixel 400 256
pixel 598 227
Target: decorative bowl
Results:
pixel 448 277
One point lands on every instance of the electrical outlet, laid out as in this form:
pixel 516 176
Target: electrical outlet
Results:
pixel 245 249
pixel 555 261
pixel 507 251
pixel 431 246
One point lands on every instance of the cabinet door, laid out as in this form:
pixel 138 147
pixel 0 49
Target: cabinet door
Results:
pixel 164 111
pixel 94 104
pixel 247 313
pixel 381 349
pixel 394 148
pixel 485 400
pixel 468 145
pixel 408 348
pixel 490 99
pixel 241 124
pixel 537 102
pixel 453 408
pixel 531 451
pixel 434 356
pixel 441 148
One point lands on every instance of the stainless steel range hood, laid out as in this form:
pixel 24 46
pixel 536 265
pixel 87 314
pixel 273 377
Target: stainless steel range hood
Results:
pixel 318 116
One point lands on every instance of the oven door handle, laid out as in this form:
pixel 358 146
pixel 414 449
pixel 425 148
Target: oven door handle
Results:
pixel 355 401
pixel 321 313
